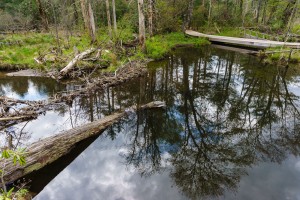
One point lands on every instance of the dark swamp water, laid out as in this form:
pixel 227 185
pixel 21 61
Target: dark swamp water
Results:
pixel 230 131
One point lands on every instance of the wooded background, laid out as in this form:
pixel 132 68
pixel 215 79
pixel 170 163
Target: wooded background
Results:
pixel 160 15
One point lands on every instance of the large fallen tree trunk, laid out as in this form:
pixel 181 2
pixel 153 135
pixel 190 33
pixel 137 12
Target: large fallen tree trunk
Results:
pixel 78 57
pixel 46 151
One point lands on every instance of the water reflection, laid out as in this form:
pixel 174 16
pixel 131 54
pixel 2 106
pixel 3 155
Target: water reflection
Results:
pixel 28 88
pixel 226 112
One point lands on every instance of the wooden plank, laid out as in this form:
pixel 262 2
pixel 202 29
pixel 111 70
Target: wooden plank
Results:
pixel 254 43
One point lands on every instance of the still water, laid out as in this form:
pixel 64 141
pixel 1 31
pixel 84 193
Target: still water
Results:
pixel 230 131
pixel 28 88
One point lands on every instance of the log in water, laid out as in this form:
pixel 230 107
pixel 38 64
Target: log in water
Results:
pixel 46 151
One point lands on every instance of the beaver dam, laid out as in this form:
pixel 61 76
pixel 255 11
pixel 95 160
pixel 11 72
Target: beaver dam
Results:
pixel 228 127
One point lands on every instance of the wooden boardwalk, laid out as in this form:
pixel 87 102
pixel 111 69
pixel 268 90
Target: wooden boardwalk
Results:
pixel 254 43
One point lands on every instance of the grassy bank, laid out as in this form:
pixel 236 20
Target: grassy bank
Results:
pixel 159 46
pixel 21 50
pixel 281 55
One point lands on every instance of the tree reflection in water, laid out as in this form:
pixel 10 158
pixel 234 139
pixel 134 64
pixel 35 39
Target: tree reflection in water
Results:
pixel 225 112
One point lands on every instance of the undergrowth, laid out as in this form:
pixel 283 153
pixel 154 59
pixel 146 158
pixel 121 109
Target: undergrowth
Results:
pixel 159 45
pixel 20 50
pixel 282 55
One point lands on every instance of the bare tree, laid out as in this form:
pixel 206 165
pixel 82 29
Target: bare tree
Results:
pixel 209 11
pixel 88 18
pixel 150 16
pixel 108 18
pixel 142 30
pixel 114 16
pixel 189 14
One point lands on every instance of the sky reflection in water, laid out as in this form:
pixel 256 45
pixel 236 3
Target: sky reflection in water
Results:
pixel 227 116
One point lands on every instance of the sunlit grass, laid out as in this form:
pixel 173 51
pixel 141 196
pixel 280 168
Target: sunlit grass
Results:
pixel 158 46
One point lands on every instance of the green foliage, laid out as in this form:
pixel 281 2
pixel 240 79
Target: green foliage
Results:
pixel 230 31
pixel 18 157
pixel 296 29
pixel 6 195
pixel 21 193
pixel 158 46
pixel 282 56
pixel 169 20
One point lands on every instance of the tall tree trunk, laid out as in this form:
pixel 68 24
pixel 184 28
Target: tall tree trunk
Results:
pixel 92 23
pixel 291 19
pixel 142 30
pixel 114 16
pixel 88 18
pixel 273 9
pixel 263 19
pixel 108 18
pixel 241 7
pixel 288 12
pixel 209 12
pixel 43 15
pixel 189 14
pixel 76 16
pixel 150 17
pixel 258 10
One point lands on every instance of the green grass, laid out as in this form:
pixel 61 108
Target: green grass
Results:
pixel 19 50
pixel 232 32
pixel 282 57
pixel 160 45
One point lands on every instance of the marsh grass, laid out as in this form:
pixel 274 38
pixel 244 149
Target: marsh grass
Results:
pixel 282 55
pixel 160 45
pixel 19 50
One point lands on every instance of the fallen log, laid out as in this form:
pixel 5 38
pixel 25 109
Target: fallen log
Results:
pixel 17 118
pixel 33 108
pixel 78 57
pixel 46 151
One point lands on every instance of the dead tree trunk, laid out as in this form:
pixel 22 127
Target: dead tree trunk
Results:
pixel 209 12
pixel 142 30
pixel 71 64
pixel 108 18
pixel 114 16
pixel 76 16
pixel 46 151
pixel 43 15
pixel 258 10
pixel 150 16
pixel 189 14
pixel 88 18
